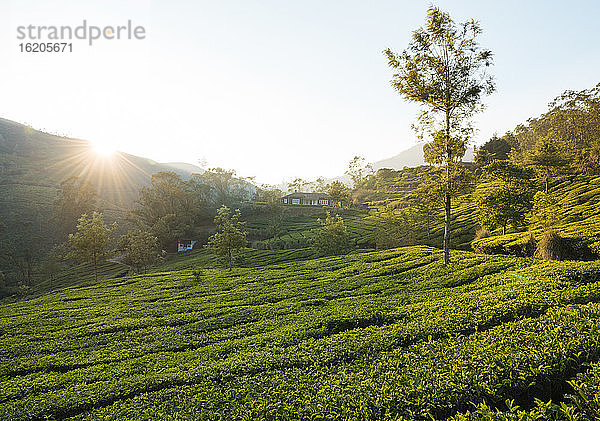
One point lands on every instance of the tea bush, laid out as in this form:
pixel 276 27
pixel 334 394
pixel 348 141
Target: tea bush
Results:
pixel 371 335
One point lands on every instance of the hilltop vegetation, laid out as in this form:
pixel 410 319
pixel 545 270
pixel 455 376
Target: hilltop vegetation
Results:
pixel 374 335
pixel 557 157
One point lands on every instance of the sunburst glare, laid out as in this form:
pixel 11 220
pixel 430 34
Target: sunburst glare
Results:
pixel 103 149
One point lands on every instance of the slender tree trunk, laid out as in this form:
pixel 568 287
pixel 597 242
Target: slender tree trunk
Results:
pixel 448 198
pixel 95 269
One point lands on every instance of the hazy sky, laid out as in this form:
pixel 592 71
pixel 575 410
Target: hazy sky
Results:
pixel 275 89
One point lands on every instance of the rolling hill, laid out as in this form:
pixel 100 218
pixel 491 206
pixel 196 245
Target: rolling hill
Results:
pixel 372 335
pixel 33 164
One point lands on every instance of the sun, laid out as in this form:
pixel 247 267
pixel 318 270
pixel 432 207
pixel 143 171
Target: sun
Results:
pixel 103 149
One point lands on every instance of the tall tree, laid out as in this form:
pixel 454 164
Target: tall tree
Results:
pixel 225 188
pixel 90 242
pixel 339 193
pixel 443 69
pixel 274 210
pixel 547 159
pixel 496 148
pixel 359 170
pixel 171 207
pixel 230 237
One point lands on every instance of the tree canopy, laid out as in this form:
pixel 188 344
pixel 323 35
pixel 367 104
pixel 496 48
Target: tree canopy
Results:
pixel 140 249
pixel 333 237
pixel 76 196
pixel 91 241
pixel 507 196
pixel 230 237
pixel 566 137
pixel 339 194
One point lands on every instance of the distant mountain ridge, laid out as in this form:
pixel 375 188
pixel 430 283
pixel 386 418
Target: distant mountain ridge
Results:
pixel 183 168
pixel 411 157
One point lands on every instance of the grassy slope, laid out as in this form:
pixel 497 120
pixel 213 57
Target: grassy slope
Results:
pixel 298 230
pixel 196 259
pixel 578 200
pixel 579 203
pixel 373 335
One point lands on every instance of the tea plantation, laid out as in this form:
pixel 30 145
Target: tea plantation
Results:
pixel 372 335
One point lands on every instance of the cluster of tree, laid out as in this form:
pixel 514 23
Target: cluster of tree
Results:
pixel 91 243
pixel 172 208
pixel 506 195
pixel 168 210
pixel 338 191
pixel 444 70
pixel 497 148
pixel 27 250
pixel 76 196
pixel 359 171
pixel 565 138
pixel 301 185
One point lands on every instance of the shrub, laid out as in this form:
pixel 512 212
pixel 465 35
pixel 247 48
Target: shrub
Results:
pixel 333 237
pixel 482 232
pixel 553 246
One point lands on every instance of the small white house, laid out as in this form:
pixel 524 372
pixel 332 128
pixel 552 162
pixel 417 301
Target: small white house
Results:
pixel 184 245
pixel 307 199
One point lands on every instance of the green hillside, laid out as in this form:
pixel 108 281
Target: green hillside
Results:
pixel 373 335
pixel 34 163
pixel 298 230
pixel 578 199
